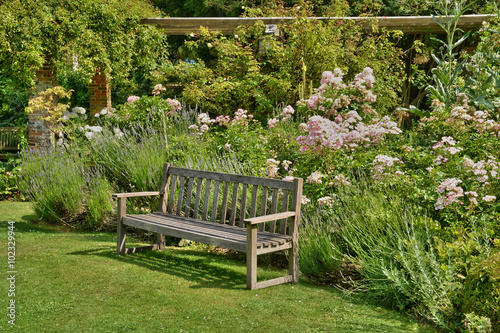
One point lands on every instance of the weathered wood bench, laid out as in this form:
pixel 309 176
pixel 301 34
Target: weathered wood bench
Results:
pixel 8 141
pixel 191 207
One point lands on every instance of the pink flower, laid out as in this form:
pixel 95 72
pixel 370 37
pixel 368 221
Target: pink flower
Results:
pixel 287 112
pixel 131 99
pixel 174 104
pixel 272 122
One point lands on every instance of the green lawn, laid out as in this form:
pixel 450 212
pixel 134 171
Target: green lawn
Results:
pixel 70 281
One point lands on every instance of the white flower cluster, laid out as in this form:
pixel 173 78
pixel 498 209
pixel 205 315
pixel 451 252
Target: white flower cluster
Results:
pixel 382 162
pixel 66 115
pixel 105 112
pixel 340 180
pixel 91 131
pixel 326 201
pixel 272 167
pixel 204 123
pixel 314 178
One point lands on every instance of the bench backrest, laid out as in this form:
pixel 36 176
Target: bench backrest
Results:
pixel 228 198
pixel 8 139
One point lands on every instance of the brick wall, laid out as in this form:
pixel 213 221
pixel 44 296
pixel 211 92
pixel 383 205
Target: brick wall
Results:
pixel 100 93
pixel 39 134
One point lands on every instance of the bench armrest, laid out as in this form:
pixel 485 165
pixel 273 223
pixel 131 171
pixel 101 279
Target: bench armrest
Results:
pixel 267 218
pixel 134 194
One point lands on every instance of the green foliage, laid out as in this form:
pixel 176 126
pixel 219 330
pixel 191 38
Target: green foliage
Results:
pixel 9 173
pixel 13 100
pixel 95 34
pixel 223 75
pixel 481 293
pixel 226 73
pixel 405 258
pixel 64 189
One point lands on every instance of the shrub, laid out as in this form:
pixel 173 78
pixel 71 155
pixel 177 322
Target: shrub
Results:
pixel 64 189
pixel 481 292
pixel 54 181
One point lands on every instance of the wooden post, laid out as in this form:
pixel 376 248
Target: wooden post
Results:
pixel 161 241
pixel 120 230
pixel 293 256
pixel 252 256
pixel 162 205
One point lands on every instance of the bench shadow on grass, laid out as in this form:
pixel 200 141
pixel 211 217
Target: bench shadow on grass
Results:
pixel 206 270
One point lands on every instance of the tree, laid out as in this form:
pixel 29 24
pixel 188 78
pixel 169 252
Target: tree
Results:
pixel 93 35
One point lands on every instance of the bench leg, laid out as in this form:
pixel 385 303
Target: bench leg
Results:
pixel 161 242
pixel 120 243
pixel 293 262
pixel 252 257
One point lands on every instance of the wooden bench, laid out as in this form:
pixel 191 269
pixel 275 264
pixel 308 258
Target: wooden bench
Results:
pixel 191 206
pixel 8 141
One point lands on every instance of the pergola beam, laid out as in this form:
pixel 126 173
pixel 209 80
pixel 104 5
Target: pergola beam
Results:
pixel 227 25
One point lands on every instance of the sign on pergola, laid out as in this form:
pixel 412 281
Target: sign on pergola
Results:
pixel 227 25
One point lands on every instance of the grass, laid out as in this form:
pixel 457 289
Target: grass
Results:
pixel 69 281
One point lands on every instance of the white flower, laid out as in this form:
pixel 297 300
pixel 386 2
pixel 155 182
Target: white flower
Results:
pixel 305 200
pixel 272 167
pixel 227 146
pixel 489 198
pixel 118 132
pixel 209 45
pixel 104 111
pixel 79 110
pixel 326 201
pixel 314 178
pixel 89 135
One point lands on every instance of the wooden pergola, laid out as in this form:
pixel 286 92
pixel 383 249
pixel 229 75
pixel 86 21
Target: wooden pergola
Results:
pixel 227 25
